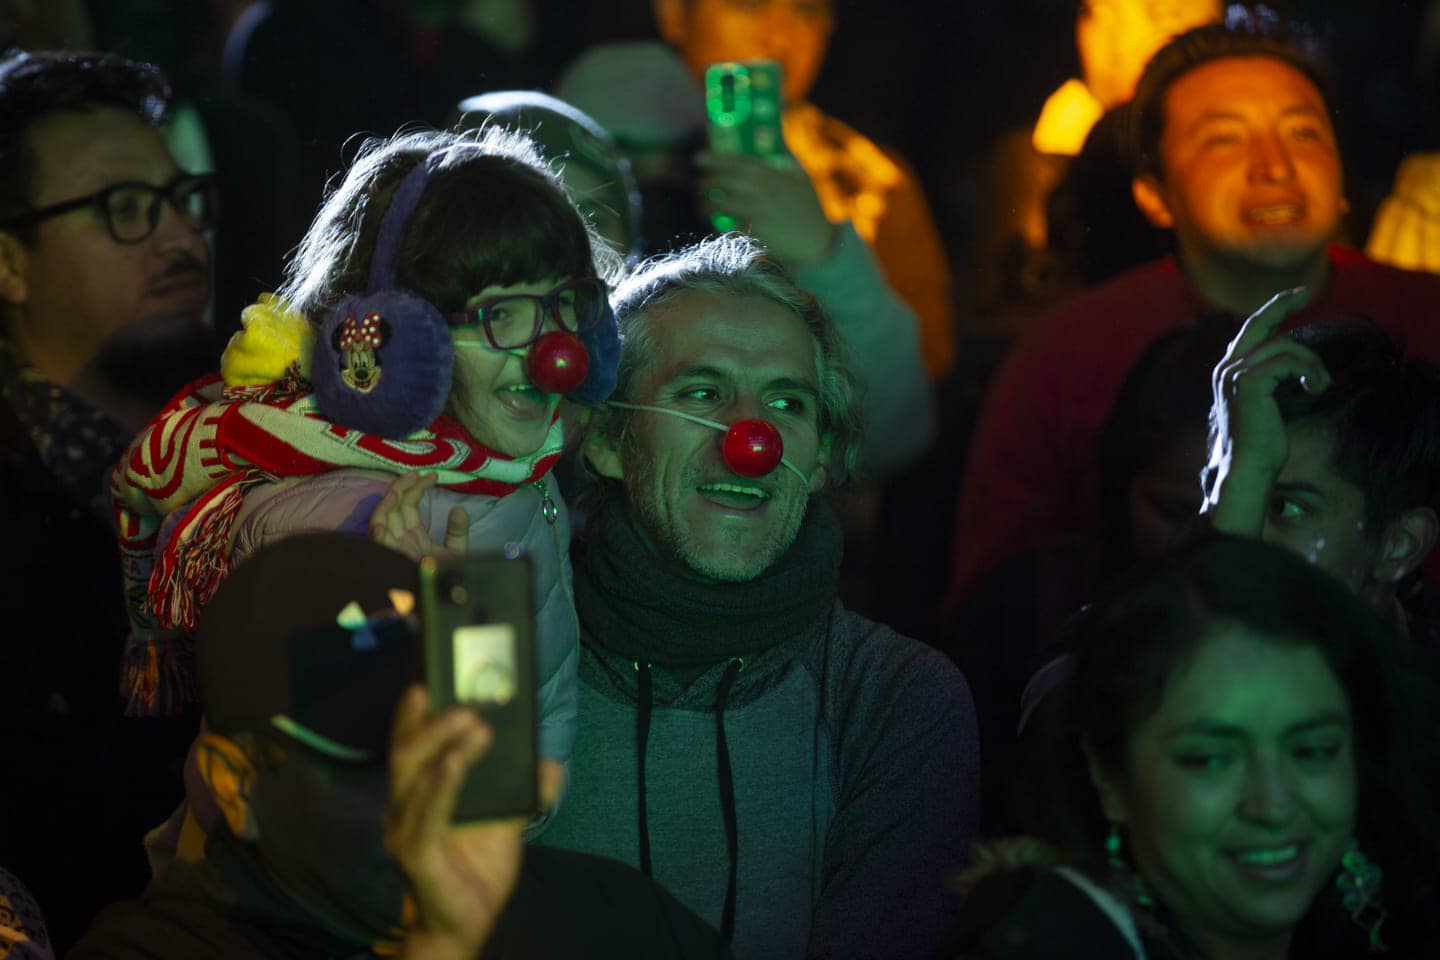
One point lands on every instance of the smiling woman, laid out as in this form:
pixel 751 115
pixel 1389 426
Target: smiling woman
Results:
pixel 1229 779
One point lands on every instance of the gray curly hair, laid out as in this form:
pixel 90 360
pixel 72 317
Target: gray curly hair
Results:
pixel 737 266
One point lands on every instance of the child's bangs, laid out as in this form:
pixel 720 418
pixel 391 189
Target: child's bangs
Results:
pixel 501 226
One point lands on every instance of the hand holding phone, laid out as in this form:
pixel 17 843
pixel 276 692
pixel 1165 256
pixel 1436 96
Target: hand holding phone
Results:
pixel 742 109
pixel 749 180
pixel 460 877
pixel 479 644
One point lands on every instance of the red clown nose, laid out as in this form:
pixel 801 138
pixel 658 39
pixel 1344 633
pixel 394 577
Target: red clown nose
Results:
pixel 752 448
pixel 557 362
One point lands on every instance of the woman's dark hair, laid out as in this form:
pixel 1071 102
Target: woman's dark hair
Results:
pixel 492 213
pixel 1130 647
pixel 1382 409
pixel 1163 400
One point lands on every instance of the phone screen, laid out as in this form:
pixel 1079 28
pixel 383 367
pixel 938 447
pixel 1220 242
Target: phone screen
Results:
pixel 485 668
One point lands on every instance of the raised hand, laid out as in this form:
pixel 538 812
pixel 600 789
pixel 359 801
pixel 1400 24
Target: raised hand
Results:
pixel 397 524
pixel 1250 447
pixel 776 205
pixel 460 877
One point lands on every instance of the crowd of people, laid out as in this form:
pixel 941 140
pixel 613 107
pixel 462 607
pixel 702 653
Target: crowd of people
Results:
pixel 1166 687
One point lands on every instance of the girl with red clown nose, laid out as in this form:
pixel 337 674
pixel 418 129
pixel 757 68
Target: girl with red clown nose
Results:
pixel 405 382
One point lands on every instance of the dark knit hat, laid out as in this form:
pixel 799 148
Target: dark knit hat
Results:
pixel 312 636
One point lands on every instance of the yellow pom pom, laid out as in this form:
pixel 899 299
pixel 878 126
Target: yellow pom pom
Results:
pixel 272 337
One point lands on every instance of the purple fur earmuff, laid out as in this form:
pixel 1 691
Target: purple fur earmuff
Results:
pixel 383 359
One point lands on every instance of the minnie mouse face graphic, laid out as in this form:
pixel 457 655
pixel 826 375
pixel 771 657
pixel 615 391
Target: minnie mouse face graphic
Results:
pixel 358 342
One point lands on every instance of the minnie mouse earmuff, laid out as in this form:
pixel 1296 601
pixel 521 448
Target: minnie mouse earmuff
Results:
pixel 383 359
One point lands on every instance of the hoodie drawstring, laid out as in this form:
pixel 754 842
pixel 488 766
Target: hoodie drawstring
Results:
pixel 727 794
pixel 726 777
pixel 642 741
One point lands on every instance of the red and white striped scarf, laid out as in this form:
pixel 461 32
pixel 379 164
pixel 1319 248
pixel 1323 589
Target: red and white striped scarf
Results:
pixel 202 452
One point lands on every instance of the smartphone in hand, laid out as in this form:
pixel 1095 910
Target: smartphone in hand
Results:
pixel 479 647
pixel 742 110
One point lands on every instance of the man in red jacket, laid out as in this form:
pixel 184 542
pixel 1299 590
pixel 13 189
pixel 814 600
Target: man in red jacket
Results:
pixel 1236 154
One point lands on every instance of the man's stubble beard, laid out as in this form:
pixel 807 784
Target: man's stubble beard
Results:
pixel 678 546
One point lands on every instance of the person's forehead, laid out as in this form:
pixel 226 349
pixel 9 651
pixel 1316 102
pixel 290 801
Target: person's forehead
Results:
pixel 745 335
pixel 76 153
pixel 1311 463
pixel 1239 83
pixel 1241 678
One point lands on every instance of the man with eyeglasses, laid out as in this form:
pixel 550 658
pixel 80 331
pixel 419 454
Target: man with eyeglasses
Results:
pixel 104 279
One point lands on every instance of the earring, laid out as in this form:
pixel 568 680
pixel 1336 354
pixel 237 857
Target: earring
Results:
pixel 1113 854
pixel 1120 867
pixel 1359 883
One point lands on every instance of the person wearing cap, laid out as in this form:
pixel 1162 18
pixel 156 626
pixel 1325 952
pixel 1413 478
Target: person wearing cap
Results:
pixel 594 171
pixel 797 775
pixel 863 190
pixel 845 217
pixel 337 785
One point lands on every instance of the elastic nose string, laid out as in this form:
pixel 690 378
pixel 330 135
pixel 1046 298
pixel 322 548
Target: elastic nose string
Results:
pixel 725 775
pixel 512 351
pixel 714 425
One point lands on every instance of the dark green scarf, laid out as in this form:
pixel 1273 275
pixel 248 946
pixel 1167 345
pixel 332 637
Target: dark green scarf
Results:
pixel 635 607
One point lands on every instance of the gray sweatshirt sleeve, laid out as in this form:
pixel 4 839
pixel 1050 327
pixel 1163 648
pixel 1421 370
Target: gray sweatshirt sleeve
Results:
pixel 907 799
pixel 884 334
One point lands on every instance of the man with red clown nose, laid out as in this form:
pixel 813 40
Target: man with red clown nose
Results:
pixel 798 776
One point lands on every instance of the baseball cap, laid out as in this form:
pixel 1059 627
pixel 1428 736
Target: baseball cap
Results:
pixel 641 93
pixel 312 636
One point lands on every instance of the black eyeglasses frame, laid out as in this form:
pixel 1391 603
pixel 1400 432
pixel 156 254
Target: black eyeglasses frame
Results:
pixel 547 306
pixel 170 191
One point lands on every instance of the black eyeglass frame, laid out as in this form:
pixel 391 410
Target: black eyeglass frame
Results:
pixel 546 305
pixel 170 191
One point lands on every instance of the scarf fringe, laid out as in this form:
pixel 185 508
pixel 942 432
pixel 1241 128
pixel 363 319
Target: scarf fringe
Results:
pixel 157 674
pixel 208 447
pixel 190 567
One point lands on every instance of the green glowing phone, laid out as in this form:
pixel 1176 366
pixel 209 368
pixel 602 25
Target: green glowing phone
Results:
pixel 742 107
pixel 477 620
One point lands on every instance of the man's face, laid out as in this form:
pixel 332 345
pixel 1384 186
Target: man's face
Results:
pixel 722 358
pixel 794 32
pixel 84 291
pixel 321 839
pixel 1251 169
pixel 1318 514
